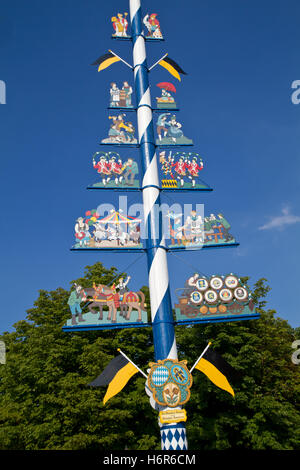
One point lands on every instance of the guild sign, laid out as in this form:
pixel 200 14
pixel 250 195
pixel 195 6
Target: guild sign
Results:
pixel 170 382
pixel 181 170
pixel 166 100
pixel 120 25
pixel 153 26
pixel 112 231
pixel 124 308
pixel 115 171
pixel 196 231
pixel 214 299
pixel 121 131
pixel 169 131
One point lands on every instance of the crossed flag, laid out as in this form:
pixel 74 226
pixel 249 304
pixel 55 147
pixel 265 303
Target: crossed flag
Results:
pixel 120 370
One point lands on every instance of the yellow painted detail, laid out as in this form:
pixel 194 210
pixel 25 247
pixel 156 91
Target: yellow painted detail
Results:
pixel 214 375
pixel 107 63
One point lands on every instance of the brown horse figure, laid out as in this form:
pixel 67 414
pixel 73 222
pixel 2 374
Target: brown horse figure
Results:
pixel 104 295
pixel 132 300
pixel 90 294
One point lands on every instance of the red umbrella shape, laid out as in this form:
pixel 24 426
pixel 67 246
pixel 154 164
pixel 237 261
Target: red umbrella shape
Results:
pixel 167 86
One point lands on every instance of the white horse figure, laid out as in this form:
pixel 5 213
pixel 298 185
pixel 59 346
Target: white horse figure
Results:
pixel 123 238
pixel 99 232
pixel 112 234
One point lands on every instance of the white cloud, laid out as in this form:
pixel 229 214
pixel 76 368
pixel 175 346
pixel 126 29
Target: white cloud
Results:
pixel 281 221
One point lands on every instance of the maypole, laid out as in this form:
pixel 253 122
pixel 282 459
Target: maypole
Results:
pixel 202 299
pixel 173 436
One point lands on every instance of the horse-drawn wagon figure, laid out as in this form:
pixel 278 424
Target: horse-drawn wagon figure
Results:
pixel 121 303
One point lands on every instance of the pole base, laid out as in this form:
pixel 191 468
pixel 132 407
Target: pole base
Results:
pixel 173 437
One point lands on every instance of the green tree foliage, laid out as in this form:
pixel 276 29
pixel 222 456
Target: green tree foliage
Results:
pixel 45 402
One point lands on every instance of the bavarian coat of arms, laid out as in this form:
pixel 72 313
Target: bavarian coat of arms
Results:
pixel 170 382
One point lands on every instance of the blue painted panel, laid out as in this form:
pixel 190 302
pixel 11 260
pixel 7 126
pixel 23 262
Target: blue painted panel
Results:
pixel 218 319
pixel 91 321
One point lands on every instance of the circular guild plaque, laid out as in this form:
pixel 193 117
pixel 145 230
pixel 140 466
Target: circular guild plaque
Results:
pixel 202 284
pixel 196 297
pixel 216 282
pixel 231 282
pixel 240 293
pixel 211 296
pixel 225 295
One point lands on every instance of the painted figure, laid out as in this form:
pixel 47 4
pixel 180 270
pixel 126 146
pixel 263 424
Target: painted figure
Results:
pixel 194 224
pixel 193 169
pixel 170 132
pixel 113 171
pixel 226 226
pixel 121 97
pixel 190 284
pixel 129 132
pixel 120 25
pixel 174 130
pixel 74 303
pixel 135 233
pixel 103 168
pixel 114 95
pixel 122 287
pixel 217 229
pixel 189 233
pixel 166 164
pixel 181 170
pixel 166 100
pixel 130 171
pixel 199 231
pixel 175 227
pixel 82 234
pixel 115 168
pixel 100 296
pixel 126 95
pixel 161 128
pixel 120 132
pixel 210 228
pixel 153 26
pixel 165 95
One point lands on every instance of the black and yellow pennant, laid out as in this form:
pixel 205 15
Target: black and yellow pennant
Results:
pixel 169 64
pixel 116 375
pixel 217 370
pixel 105 61
pixel 172 67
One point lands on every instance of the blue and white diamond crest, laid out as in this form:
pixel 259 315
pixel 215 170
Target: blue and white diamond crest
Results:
pixel 160 376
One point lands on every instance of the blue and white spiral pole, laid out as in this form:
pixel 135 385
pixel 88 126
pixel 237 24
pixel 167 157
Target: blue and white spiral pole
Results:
pixel 173 437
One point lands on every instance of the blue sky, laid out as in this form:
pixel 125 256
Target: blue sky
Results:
pixel 235 103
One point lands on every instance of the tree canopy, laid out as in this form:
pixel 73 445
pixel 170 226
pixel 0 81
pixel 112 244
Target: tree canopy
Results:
pixel 45 402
